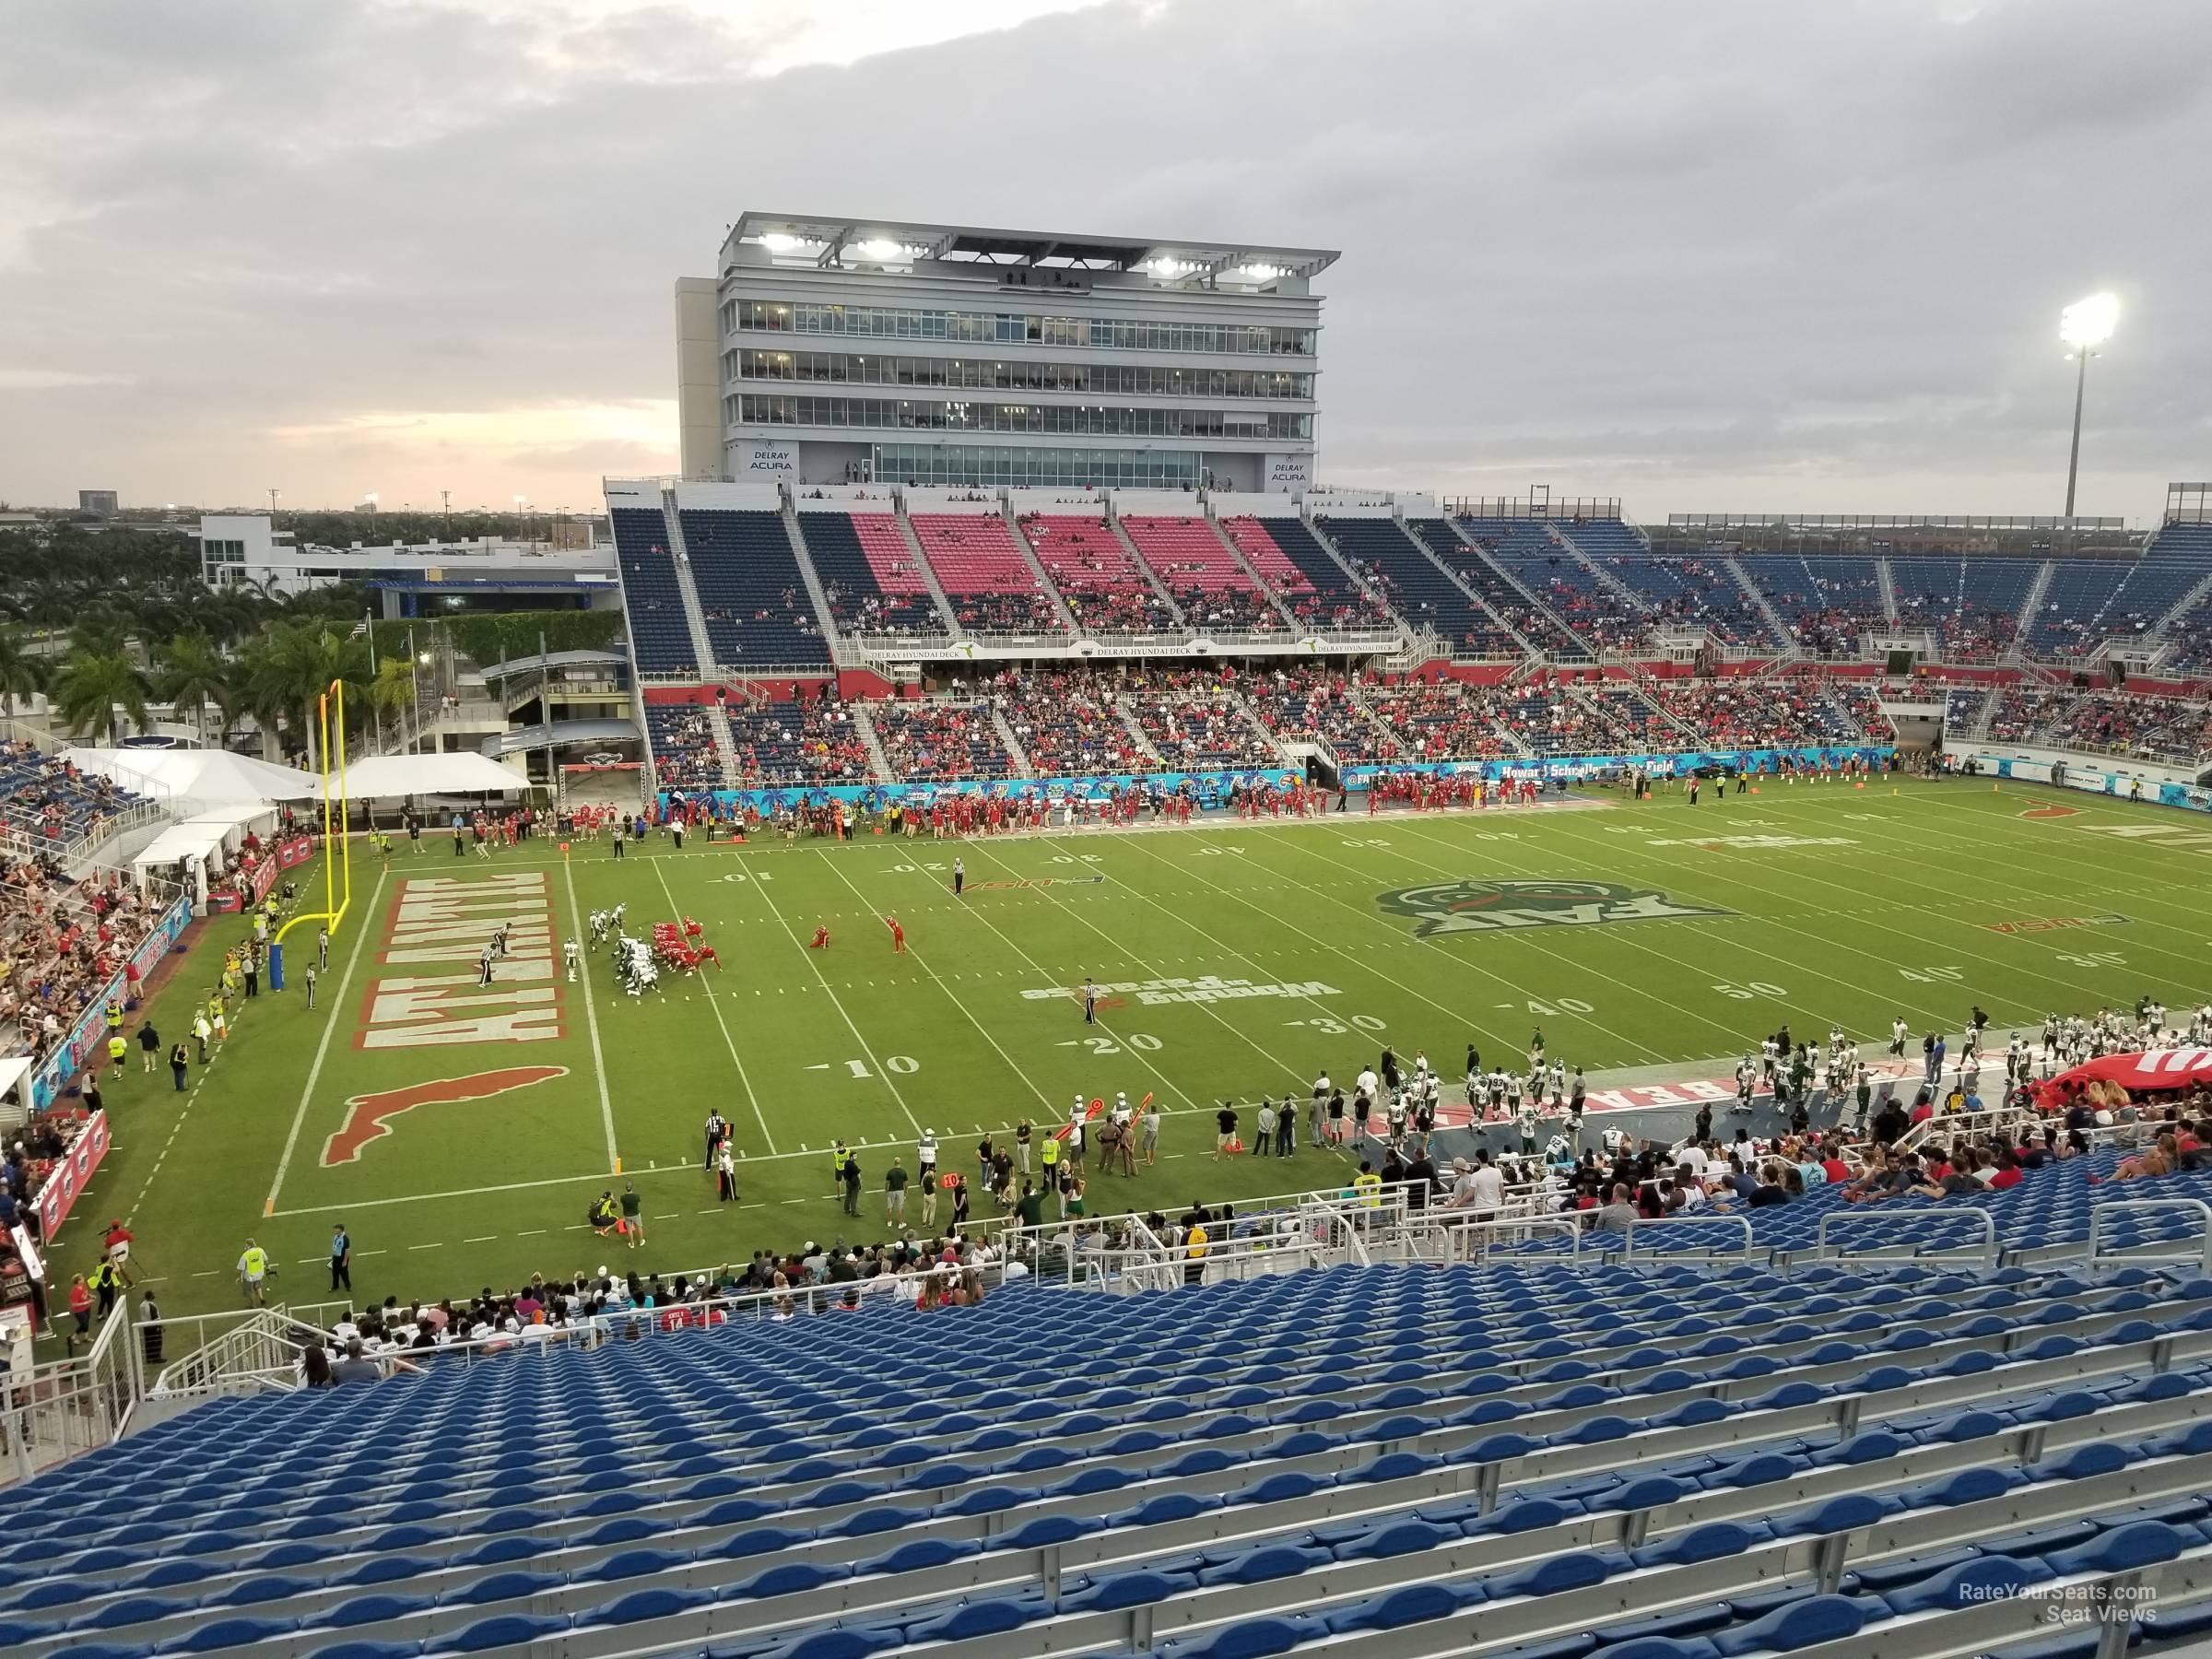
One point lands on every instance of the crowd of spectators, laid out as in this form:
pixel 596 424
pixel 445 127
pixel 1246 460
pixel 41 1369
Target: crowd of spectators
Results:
pixel 1096 576
pixel 929 743
pixel 2142 724
pixel 683 747
pixel 64 941
pixel 797 743
pixel 1752 713
pixel 2023 708
pixel 1068 723
pixel 1310 702
pixel 586 1309
pixel 46 802
pixel 1438 720
pixel 1197 721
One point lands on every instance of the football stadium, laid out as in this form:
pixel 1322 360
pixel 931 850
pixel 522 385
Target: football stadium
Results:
pixel 1456 1077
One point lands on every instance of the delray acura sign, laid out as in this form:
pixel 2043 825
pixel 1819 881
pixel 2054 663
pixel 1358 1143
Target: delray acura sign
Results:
pixel 765 458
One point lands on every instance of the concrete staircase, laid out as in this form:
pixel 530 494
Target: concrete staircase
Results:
pixel 1252 575
pixel 1259 727
pixel 936 591
pixel 1375 722
pixel 879 762
pixel 1145 568
pixel 725 743
pixel 1986 713
pixel 2187 603
pixel 1782 637
pixel 694 614
pixel 1044 580
pixel 1603 577
pixel 812 577
pixel 1135 729
pixel 1473 598
pixel 1887 578
pixel 1023 766
pixel 2031 601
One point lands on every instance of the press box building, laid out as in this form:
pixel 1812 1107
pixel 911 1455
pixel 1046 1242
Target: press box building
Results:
pixel 832 350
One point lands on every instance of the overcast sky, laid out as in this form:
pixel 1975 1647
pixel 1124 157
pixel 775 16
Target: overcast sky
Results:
pixel 1768 257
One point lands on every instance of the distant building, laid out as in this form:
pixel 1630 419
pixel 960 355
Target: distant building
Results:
pixel 244 549
pixel 100 503
pixel 832 350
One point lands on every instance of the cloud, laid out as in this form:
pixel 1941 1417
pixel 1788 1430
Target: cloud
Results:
pixel 52 380
pixel 1703 255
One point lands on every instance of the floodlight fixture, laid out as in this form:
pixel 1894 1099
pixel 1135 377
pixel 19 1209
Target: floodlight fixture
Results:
pixel 2085 326
pixel 2088 324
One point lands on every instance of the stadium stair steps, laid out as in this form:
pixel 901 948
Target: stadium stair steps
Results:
pixel 695 614
pixel 1512 580
pixel 1621 593
pixel 725 743
pixel 1044 577
pixel 2162 630
pixel 1985 711
pixel 1144 569
pixel 1420 535
pixel 1781 637
pixel 879 763
pixel 1252 575
pixel 1887 578
pixel 929 576
pixel 1135 729
pixel 1761 1494
pixel 1382 727
pixel 816 591
pixel 1022 765
pixel 2031 601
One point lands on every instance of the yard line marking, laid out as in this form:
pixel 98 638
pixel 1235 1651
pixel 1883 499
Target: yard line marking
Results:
pixel 954 997
pixel 591 1019
pixel 714 1003
pixel 315 1072
pixel 1150 972
pixel 883 1072
pixel 1454 1014
pixel 1890 928
pixel 486 1239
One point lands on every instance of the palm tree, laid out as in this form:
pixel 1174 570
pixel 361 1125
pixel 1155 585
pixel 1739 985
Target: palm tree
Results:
pixel 193 674
pixel 20 673
pixel 259 689
pixel 96 691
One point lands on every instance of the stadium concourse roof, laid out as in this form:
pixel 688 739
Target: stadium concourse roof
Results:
pixel 814 239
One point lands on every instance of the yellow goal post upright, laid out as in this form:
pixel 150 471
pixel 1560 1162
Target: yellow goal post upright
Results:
pixel 337 849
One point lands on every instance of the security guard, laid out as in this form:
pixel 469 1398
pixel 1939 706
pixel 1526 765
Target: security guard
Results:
pixel 838 1158
pixel 253 1272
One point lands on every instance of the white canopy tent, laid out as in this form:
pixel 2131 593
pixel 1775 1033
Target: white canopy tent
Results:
pixel 387 777
pixel 13 1070
pixel 192 781
pixel 193 846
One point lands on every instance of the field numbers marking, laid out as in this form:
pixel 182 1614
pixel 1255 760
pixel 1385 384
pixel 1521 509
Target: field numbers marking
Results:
pixel 1366 840
pixel 1143 1041
pixel 904 1064
pixel 2093 959
pixel 1213 852
pixel 1923 976
pixel 1330 1026
pixel 1749 989
pixel 1558 1005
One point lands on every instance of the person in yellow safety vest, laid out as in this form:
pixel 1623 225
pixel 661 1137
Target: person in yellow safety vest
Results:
pixel 114 1013
pixel 1367 1186
pixel 117 1050
pixel 1048 1159
pixel 838 1158
pixel 253 1272
pixel 1195 1244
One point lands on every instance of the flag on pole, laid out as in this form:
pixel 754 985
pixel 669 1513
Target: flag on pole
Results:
pixel 359 628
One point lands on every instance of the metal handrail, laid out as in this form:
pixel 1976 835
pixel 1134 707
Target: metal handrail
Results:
pixel 2202 1256
pixel 1988 1247
pixel 1675 1223
pixel 1472 1239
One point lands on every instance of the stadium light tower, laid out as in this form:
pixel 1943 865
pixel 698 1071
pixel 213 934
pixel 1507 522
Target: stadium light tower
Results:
pixel 2085 326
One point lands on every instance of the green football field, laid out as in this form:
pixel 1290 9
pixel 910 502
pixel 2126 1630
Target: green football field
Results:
pixel 459 1133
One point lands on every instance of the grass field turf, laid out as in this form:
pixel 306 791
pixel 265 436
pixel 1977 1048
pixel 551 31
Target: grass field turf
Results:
pixel 1826 905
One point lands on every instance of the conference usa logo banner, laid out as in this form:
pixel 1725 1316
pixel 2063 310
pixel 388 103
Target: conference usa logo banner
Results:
pixel 1211 785
pixel 1576 768
pixel 1453 907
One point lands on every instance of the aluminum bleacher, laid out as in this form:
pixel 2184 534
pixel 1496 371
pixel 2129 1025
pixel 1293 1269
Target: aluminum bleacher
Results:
pixel 1667 1460
pixel 868 573
pixel 660 634
pixel 759 613
pixel 990 585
